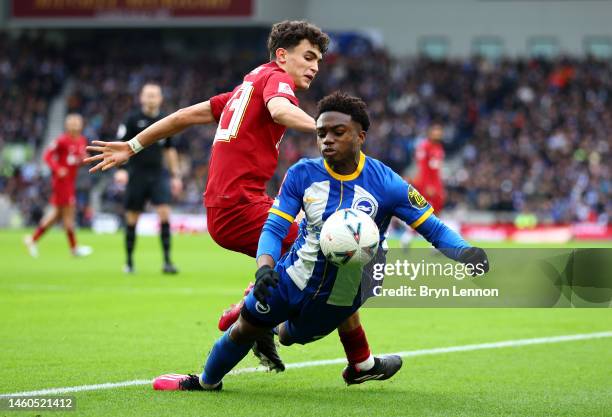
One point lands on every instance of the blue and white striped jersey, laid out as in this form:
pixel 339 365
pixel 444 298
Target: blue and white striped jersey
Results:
pixel 311 185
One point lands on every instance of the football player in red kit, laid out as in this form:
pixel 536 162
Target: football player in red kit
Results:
pixel 251 122
pixel 63 157
pixel 429 156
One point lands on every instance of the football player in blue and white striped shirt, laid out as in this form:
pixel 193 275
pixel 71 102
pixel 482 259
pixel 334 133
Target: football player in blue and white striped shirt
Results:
pixel 292 292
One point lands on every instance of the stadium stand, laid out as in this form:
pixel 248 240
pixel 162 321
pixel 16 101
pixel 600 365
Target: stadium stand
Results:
pixel 531 135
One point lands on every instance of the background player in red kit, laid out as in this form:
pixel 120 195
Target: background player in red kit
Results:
pixel 251 122
pixel 429 156
pixel 64 157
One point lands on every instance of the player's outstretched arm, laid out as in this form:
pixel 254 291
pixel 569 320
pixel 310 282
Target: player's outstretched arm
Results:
pixel 285 113
pixel 413 209
pixel 451 244
pixel 112 154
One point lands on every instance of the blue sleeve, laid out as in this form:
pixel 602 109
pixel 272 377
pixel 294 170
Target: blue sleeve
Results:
pixel 408 204
pixel 271 239
pixel 282 214
pixel 445 239
pixel 411 207
pixel 288 202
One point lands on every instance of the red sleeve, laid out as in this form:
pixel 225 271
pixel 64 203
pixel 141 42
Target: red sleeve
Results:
pixel 50 156
pixel 279 84
pixel 218 102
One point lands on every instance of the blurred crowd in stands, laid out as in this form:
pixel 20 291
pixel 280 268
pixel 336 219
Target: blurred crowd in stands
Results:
pixel 522 135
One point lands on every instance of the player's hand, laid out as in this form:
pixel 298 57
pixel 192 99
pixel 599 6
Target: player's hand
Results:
pixel 476 257
pixel 111 154
pixel 62 172
pixel 265 277
pixel 176 186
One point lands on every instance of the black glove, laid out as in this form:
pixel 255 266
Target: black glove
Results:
pixel 476 257
pixel 265 277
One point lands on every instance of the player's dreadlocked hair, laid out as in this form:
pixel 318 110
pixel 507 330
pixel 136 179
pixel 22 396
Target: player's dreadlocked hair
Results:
pixel 289 33
pixel 343 103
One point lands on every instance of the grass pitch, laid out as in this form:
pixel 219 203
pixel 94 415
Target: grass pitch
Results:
pixel 69 322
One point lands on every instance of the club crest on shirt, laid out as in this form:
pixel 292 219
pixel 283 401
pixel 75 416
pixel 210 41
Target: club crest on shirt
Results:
pixel 415 198
pixel 367 205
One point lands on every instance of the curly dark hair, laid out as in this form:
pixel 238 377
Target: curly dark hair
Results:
pixel 289 33
pixel 344 103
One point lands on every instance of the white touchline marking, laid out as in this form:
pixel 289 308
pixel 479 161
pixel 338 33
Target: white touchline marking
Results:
pixel 25 287
pixel 309 364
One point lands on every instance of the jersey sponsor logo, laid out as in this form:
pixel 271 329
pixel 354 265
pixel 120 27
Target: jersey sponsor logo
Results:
pixel 262 309
pixel 415 198
pixel 285 89
pixel 141 123
pixel 367 205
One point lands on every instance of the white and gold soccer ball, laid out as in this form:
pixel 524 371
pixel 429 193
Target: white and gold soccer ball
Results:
pixel 349 236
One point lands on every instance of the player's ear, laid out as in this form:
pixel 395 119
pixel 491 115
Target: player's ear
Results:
pixel 361 137
pixel 281 55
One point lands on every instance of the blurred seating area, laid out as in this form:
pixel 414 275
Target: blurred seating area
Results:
pixel 32 72
pixel 524 135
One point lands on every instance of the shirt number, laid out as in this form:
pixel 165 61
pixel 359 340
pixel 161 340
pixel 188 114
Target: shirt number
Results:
pixel 233 113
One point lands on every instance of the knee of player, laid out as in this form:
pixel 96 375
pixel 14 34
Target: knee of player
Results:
pixel 284 338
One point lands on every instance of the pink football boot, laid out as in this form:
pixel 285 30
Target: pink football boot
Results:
pixel 231 314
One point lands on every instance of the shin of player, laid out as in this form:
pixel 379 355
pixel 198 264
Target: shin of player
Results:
pixel 63 157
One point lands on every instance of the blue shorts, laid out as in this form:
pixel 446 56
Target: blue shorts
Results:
pixel 307 317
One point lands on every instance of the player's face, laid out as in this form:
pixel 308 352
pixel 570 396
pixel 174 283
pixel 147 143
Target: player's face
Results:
pixel 436 132
pixel 339 137
pixel 74 124
pixel 151 97
pixel 301 63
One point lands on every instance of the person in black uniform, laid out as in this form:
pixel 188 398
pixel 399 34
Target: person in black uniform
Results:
pixel 148 179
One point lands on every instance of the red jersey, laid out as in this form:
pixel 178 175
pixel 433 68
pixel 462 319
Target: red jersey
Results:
pixel 429 155
pixel 65 152
pixel 245 150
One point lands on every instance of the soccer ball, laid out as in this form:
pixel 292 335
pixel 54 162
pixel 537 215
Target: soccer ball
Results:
pixel 349 236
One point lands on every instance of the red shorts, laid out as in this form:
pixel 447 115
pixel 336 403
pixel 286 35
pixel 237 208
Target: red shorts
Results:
pixel 63 194
pixel 238 228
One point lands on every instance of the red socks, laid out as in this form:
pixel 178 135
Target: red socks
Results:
pixel 38 233
pixel 355 345
pixel 69 233
pixel 71 238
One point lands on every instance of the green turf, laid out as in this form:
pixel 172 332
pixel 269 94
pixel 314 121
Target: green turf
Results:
pixel 68 322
